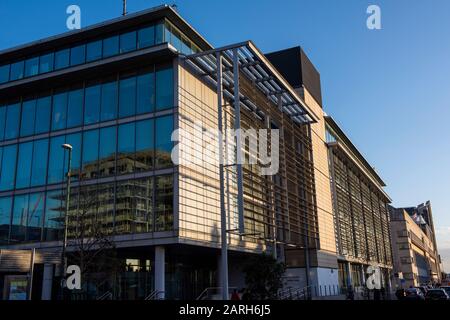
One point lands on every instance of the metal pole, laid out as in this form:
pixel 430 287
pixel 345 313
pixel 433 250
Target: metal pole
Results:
pixel 30 286
pixel 66 218
pixel 223 214
pixel 237 127
pixel 124 11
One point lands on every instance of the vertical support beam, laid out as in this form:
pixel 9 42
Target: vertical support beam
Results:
pixel 160 276
pixel 223 214
pixel 47 282
pixel 349 274
pixel 237 127
pixel 31 274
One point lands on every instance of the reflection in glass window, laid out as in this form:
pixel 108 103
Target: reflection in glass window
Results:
pixel 127 97
pixel 145 93
pixel 19 219
pixel 144 145
pixel 164 88
pixel 90 154
pixel 17 71
pixel 159 33
pixel 126 148
pixel 110 46
pixel 28 116
pixel 94 51
pixel 56 160
pixel 59 113
pixel 146 37
pixel 75 141
pixel 163 143
pixel 12 121
pixel 107 151
pixel 128 42
pixel 2 122
pixel 109 101
pixel 35 215
pixel 164 203
pixel 4 73
pixel 92 104
pixel 77 55
pixel 53 223
pixel 24 165
pixel 5 216
pixel 62 59
pixel 143 191
pixel 46 63
pixel 32 67
pixel 43 110
pixel 75 108
pixel 39 166
pixel 8 169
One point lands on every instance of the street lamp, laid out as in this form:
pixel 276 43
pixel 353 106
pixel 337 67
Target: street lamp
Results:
pixel 69 148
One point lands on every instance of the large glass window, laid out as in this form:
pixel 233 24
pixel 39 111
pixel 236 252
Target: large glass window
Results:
pixel 144 145
pixel 126 148
pixel 159 33
pixel 24 165
pixel 12 121
pixel 19 219
pixel 164 88
pixel 32 67
pixel 75 141
pixel 43 111
pixel 128 42
pixel 8 168
pixel 163 142
pixel 110 46
pixel 2 122
pixel 62 59
pixel 75 108
pixel 94 51
pixel 4 73
pixel 127 97
pixel 109 101
pixel 59 113
pixel 28 116
pixel 5 218
pixel 90 154
pixel 164 203
pixel 35 216
pixel 53 223
pixel 17 70
pixel 78 55
pixel 56 160
pixel 145 92
pixel 146 37
pixel 92 104
pixel 39 166
pixel 107 151
pixel 46 63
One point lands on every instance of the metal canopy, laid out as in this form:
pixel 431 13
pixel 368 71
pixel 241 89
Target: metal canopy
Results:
pixel 255 66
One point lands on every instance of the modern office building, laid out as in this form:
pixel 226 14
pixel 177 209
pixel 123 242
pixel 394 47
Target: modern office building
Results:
pixel 416 258
pixel 115 92
pixel 361 215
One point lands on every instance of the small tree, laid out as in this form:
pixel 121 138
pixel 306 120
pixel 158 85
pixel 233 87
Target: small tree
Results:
pixel 263 275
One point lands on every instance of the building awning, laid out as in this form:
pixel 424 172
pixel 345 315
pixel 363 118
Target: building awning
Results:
pixel 257 68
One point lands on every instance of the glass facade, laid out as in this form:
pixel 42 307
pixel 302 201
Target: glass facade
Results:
pixel 141 38
pixel 109 149
pixel 118 96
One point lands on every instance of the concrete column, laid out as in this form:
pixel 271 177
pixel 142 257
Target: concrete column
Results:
pixel 160 261
pixel 47 282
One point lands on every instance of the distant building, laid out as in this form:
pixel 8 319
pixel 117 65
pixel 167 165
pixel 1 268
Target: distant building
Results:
pixel 416 257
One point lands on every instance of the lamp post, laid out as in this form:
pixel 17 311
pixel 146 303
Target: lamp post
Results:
pixel 67 147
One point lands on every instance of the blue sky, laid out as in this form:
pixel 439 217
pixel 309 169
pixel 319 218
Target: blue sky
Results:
pixel 389 89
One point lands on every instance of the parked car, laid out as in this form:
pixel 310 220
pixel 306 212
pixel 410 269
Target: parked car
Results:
pixel 446 289
pixel 437 294
pixel 400 294
pixel 414 294
pixel 423 289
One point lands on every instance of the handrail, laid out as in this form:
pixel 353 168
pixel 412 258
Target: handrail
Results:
pixel 154 294
pixel 106 295
pixel 204 292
